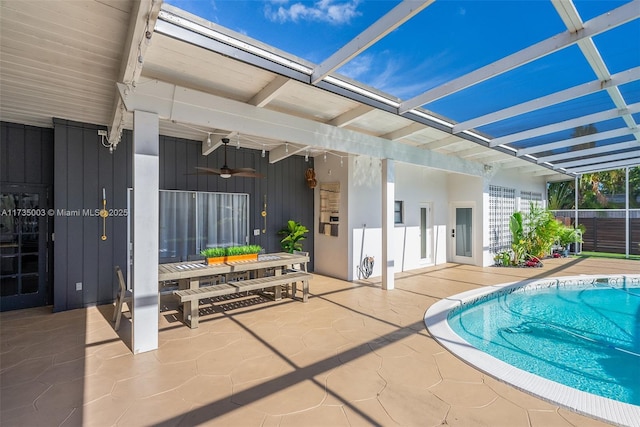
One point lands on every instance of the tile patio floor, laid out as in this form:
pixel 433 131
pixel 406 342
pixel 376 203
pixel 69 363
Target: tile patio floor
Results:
pixel 354 355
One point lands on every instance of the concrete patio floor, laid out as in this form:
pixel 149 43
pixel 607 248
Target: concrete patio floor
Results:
pixel 354 355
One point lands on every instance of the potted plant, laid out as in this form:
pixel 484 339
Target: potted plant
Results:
pixel 568 236
pixel 220 255
pixel 293 234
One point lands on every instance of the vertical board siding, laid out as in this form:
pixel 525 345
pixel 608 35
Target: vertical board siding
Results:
pixel 83 167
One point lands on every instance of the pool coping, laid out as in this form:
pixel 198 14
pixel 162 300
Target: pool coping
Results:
pixel 602 408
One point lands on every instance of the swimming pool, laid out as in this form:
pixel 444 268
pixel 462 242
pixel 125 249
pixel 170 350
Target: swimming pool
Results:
pixel 572 340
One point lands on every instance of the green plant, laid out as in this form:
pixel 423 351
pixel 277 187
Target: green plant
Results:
pixel 230 251
pixel 568 235
pixel 213 252
pixel 503 258
pixel 293 234
pixel 518 242
pixel 542 230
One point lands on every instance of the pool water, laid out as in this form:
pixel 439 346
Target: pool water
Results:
pixel 587 338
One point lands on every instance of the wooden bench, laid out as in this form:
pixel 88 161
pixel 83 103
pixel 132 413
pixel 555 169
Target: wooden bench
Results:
pixel 191 297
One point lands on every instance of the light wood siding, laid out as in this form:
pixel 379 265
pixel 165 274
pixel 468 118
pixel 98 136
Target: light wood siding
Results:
pixel 84 167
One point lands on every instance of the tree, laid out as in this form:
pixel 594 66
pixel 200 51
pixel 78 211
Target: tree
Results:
pixel 561 195
pixel 583 131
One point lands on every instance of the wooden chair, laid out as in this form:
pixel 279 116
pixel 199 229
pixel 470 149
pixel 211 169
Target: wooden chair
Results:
pixel 122 296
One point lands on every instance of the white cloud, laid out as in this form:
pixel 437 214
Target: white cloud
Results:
pixel 329 11
pixel 358 67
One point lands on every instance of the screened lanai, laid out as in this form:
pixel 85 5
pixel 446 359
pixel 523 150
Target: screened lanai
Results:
pixel 458 91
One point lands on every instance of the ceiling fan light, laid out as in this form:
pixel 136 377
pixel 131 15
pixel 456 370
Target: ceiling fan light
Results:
pixel 225 175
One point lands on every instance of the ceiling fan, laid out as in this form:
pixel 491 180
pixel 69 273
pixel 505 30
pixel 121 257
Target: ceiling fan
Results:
pixel 226 172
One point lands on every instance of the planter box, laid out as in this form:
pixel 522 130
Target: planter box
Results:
pixel 233 258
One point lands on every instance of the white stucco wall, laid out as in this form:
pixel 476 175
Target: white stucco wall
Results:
pixel 332 253
pixel 361 213
pixel 416 187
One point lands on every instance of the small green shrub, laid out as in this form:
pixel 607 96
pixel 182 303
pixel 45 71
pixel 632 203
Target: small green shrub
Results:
pixel 231 251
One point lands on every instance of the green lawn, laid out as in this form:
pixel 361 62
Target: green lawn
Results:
pixel 607 255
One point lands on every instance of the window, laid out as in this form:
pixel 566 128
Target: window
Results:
pixel 398 212
pixel 192 221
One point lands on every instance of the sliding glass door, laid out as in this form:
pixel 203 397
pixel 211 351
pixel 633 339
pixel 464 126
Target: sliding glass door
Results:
pixel 191 221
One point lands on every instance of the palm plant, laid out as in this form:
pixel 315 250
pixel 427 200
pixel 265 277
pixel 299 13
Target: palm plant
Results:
pixel 561 195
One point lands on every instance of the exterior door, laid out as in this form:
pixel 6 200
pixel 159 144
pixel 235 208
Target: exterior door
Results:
pixel 426 234
pixel 462 234
pixel 23 243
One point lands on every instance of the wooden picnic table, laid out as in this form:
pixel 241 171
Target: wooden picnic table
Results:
pixel 189 275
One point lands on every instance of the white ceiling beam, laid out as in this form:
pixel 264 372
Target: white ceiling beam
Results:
pixel 547 172
pixel 499 157
pixel 350 116
pixel 404 132
pixel 216 141
pixel 442 143
pixel 598 160
pixel 569 14
pixel 144 14
pixel 196 108
pixel 285 150
pixel 589 151
pixel 383 26
pixel 514 163
pixel 567 124
pixel 595 26
pixel 621 78
pixel 633 162
pixel 475 152
pixel 270 91
pixel 600 136
pixel 523 168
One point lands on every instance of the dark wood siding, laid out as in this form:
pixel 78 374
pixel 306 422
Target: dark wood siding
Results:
pixel 84 167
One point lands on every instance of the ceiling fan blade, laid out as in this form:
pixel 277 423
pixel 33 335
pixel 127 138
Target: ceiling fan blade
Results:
pixel 248 172
pixel 209 171
pixel 239 170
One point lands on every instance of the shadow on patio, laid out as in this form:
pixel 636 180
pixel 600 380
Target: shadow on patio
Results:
pixel 353 355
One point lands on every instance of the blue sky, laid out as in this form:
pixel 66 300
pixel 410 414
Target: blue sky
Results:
pixel 446 40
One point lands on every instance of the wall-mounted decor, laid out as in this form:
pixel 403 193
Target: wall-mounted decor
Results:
pixel 329 208
pixel 310 176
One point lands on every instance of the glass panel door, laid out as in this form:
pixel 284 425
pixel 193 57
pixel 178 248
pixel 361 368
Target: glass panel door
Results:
pixel 463 235
pixel 426 234
pixel 23 277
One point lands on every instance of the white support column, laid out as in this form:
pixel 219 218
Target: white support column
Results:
pixel 576 197
pixel 388 202
pixel 146 179
pixel 627 236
